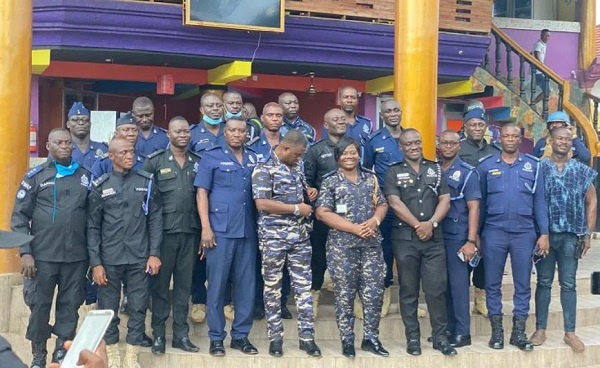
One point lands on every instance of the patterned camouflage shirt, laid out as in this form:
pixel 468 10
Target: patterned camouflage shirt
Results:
pixel 276 181
pixel 352 201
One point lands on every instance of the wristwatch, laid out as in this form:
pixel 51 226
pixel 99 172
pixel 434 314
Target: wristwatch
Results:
pixel 296 210
pixel 433 222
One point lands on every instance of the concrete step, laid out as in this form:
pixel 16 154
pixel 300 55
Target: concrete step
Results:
pixel 391 327
pixel 554 353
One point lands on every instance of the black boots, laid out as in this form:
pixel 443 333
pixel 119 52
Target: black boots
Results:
pixel 518 337
pixel 59 351
pixel 497 339
pixel 38 349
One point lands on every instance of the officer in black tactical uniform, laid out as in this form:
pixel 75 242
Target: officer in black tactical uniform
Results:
pixel 51 205
pixel 125 231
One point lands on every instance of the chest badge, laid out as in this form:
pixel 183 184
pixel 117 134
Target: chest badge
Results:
pixel 431 173
pixel 108 192
pixel 85 181
pixel 527 167
pixel 196 167
pixel 99 152
pixel 21 194
pixel 456 175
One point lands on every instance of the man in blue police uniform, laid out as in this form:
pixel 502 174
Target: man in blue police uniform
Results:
pixel 233 107
pixel 555 120
pixel 208 132
pixel 473 148
pixel 151 138
pixel 318 162
pixel 228 217
pixel 359 127
pixel 460 228
pixel 205 135
pixel 291 120
pixel 85 151
pixel 126 128
pixel 270 136
pixel 380 152
pixel 514 215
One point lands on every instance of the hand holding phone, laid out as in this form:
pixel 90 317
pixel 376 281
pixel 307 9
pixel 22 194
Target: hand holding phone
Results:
pixel 88 337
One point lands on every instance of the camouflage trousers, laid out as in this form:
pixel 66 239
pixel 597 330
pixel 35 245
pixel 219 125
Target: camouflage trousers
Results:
pixel 274 253
pixel 362 270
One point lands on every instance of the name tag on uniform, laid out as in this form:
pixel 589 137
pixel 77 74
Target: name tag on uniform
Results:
pixel 141 189
pixel 325 155
pixel 108 192
pixel 341 208
pixel 165 171
pixel 495 172
pixel 379 149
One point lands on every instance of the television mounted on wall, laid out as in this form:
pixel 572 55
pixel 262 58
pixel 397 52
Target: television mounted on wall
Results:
pixel 249 15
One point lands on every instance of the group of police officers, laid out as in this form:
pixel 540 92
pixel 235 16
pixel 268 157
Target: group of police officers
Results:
pixel 230 201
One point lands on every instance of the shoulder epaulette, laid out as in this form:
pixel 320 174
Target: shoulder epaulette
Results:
pixel 496 146
pixel 195 154
pixel 374 134
pixel 532 157
pixel 145 174
pixel 216 146
pixel 363 117
pixel 396 163
pixel 319 141
pixel 252 141
pixel 156 153
pixel 193 126
pixel 103 156
pixel 466 165
pixel 100 180
pixel 251 150
pixel 485 158
pixel 33 172
pixel 160 129
pixel 463 139
pixel 331 173
pixel 367 170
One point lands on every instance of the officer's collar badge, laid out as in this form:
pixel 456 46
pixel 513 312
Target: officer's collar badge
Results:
pixel 456 175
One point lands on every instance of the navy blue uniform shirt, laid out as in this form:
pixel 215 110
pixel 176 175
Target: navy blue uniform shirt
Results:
pixel 202 139
pixel 381 151
pixel 157 140
pixel 88 158
pixel 231 211
pixel 513 198
pixel 463 183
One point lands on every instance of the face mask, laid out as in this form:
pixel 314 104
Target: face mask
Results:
pixel 229 115
pixel 207 119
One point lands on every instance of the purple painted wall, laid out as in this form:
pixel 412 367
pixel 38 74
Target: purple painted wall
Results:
pixel 561 52
pixel 34 110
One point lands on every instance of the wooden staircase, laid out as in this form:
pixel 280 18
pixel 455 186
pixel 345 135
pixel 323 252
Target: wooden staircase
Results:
pixel 518 95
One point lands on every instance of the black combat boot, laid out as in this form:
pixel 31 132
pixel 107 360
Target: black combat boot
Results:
pixel 59 351
pixel 38 349
pixel 518 337
pixel 497 339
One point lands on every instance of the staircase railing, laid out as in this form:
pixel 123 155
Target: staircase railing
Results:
pixel 528 60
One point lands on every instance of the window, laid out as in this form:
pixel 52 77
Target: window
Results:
pixel 513 9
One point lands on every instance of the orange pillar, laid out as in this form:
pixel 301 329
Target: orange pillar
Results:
pixel 15 78
pixel 416 67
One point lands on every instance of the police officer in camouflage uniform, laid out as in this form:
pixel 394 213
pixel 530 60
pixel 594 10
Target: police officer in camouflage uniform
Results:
pixel 319 161
pixel 174 170
pixel 352 206
pixel 416 190
pixel 283 229
pixel 124 234
pixel 51 205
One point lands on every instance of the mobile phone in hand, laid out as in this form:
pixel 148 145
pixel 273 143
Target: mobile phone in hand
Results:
pixel 89 336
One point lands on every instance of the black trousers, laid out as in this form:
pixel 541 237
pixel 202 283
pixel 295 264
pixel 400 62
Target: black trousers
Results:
pixel 318 239
pixel 39 292
pixel 109 297
pixel 178 253
pixel 422 263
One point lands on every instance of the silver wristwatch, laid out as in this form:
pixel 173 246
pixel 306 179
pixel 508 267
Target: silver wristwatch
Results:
pixel 296 210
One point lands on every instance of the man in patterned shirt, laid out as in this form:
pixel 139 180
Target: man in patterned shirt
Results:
pixel 283 231
pixel 572 207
